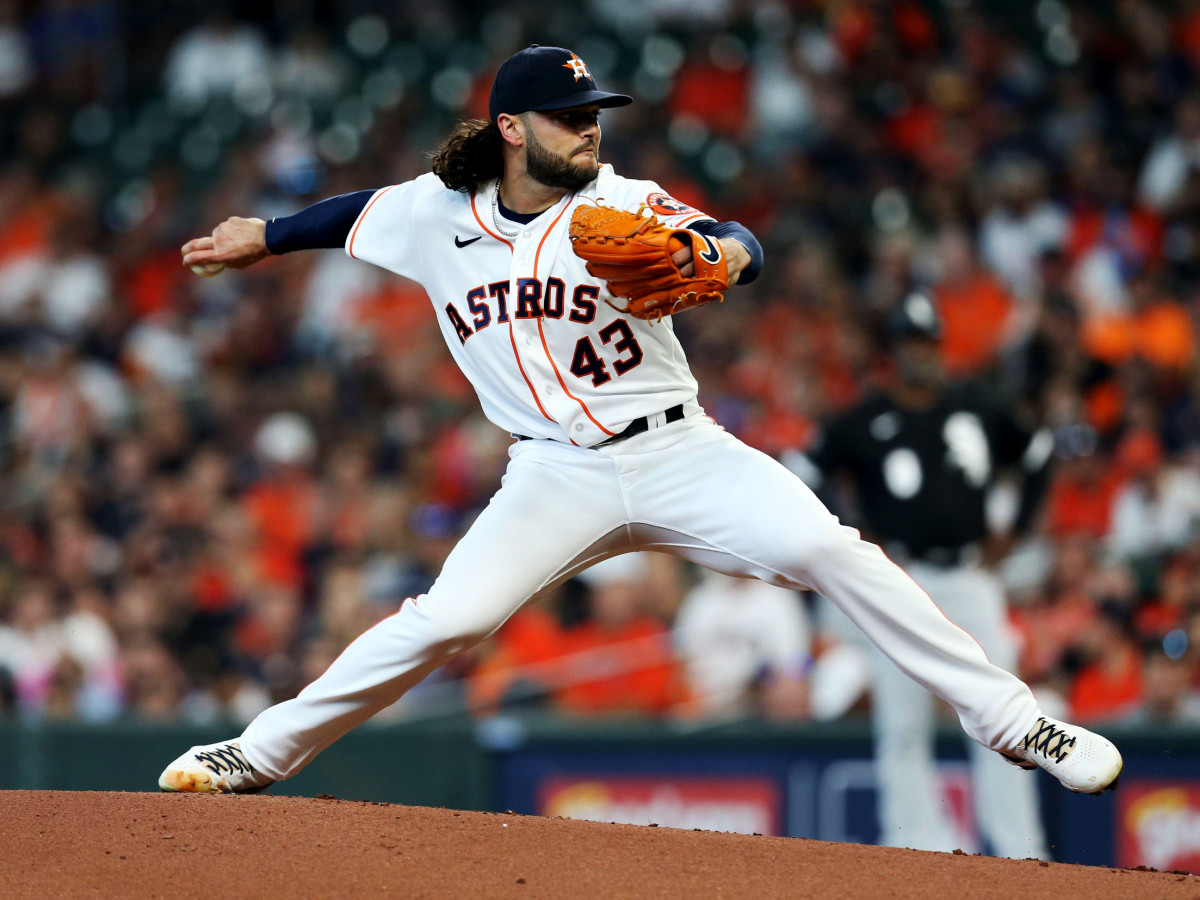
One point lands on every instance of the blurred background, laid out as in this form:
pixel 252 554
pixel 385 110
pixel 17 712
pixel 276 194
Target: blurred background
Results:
pixel 208 487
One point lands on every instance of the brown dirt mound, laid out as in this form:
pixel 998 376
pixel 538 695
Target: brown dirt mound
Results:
pixel 55 844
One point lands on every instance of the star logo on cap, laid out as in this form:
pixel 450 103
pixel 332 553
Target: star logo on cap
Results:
pixel 577 66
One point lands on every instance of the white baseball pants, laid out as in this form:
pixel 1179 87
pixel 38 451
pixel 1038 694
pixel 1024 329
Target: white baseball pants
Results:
pixel 910 809
pixel 687 488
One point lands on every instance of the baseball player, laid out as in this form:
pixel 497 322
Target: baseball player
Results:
pixel 923 457
pixel 553 280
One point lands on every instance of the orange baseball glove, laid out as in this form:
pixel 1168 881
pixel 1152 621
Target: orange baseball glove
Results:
pixel 632 253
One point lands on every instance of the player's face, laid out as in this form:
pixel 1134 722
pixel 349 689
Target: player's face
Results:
pixel 562 147
pixel 919 362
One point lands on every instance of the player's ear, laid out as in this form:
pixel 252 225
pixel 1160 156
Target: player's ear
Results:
pixel 512 129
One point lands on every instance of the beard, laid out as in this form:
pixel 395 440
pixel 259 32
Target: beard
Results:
pixel 554 171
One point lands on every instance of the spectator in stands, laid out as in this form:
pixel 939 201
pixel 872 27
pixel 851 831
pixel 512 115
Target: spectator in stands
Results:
pixel 746 646
pixel 1021 224
pixel 1174 158
pixel 217 57
pixel 308 66
pixel 976 310
pixel 1169 696
pixel 66 289
pixel 282 505
pixel 16 54
pixel 619 659
pixel 31 646
pixel 525 662
pixel 154 682
pixel 1083 486
pixel 1158 508
pixel 1109 685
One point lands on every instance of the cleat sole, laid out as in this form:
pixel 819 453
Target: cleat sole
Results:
pixel 1110 786
pixel 181 782
pixel 1019 763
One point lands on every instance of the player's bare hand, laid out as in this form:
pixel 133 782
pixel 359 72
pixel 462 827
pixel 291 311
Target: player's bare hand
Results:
pixel 737 257
pixel 236 243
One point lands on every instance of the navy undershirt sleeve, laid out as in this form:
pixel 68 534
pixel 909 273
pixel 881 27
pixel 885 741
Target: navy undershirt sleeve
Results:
pixel 327 225
pixel 742 235
pixel 739 233
pixel 323 225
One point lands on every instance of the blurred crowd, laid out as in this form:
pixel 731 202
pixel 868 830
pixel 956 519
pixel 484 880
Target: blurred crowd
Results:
pixel 208 487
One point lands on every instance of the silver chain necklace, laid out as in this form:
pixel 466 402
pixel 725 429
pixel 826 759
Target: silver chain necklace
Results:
pixel 496 214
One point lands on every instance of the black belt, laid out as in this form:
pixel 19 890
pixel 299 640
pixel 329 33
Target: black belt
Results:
pixel 637 426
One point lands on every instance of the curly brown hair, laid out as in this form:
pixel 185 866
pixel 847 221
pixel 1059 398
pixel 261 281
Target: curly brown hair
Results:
pixel 470 155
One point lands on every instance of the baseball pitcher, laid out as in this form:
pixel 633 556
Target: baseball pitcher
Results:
pixel 554 280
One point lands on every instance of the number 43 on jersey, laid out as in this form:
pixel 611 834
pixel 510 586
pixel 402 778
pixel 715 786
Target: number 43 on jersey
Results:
pixel 490 303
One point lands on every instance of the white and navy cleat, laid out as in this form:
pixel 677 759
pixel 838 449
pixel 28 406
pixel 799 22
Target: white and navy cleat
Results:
pixel 213 769
pixel 1084 762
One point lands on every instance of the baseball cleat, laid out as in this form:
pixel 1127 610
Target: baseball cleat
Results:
pixel 1084 762
pixel 213 769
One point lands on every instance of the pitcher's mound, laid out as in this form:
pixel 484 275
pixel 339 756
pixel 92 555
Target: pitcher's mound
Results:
pixel 55 844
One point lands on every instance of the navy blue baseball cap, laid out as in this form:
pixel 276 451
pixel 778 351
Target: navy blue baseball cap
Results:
pixel 546 78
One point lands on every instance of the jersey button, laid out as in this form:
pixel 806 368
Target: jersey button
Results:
pixel 579 426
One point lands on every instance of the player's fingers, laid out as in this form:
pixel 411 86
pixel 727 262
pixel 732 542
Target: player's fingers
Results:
pixel 201 243
pixel 689 270
pixel 682 256
pixel 200 257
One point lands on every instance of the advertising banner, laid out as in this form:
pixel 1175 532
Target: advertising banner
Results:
pixel 740 805
pixel 1158 824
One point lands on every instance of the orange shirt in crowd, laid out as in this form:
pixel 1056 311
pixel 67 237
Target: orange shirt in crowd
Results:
pixel 1155 618
pixel 1107 689
pixel 1047 628
pixel 715 95
pixel 973 318
pixel 524 650
pixel 152 284
pixel 630 669
pixel 396 316
pixel 283 514
pixel 853 28
pixel 1081 507
pixel 1163 335
pixel 211 589
pixel 27 231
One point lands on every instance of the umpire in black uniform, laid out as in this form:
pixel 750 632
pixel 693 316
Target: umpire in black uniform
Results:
pixel 923 456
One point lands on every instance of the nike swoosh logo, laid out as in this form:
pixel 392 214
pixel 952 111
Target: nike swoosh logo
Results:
pixel 460 243
pixel 713 254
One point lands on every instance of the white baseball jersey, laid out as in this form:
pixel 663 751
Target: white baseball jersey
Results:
pixel 526 323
